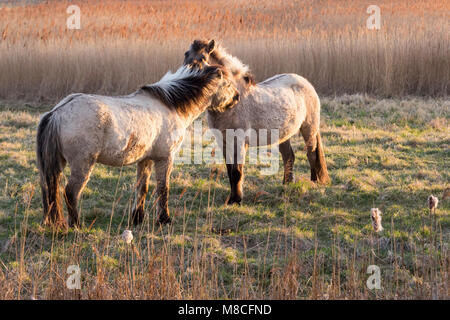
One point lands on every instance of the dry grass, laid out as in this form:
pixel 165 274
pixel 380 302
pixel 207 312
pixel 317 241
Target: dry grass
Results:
pixel 299 241
pixel 124 44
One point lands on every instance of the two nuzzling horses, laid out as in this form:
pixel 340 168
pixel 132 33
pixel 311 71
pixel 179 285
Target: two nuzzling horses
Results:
pixel 147 127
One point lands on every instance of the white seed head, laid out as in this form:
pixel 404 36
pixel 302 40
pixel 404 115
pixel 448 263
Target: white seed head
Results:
pixel 432 202
pixel 127 236
pixel 375 216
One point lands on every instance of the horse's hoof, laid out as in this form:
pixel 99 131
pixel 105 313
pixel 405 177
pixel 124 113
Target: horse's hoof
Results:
pixel 233 200
pixel 288 179
pixel 165 219
pixel 75 225
pixel 56 225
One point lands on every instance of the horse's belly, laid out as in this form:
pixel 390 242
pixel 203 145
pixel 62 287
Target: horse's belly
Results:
pixel 279 129
pixel 276 109
pixel 124 152
pixel 118 161
pixel 290 128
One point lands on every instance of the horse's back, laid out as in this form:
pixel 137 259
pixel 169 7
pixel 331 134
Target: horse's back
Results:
pixel 307 102
pixel 117 130
pixel 305 95
pixel 284 102
pixel 289 80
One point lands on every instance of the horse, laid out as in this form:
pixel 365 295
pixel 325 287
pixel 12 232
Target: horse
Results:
pixel 286 102
pixel 145 127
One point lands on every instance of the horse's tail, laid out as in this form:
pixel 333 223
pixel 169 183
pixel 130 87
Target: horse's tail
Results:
pixel 50 163
pixel 321 165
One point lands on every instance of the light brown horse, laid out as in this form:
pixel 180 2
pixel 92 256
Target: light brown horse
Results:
pixel 144 127
pixel 286 102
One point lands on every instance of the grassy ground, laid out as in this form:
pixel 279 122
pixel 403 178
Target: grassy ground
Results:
pixel 299 241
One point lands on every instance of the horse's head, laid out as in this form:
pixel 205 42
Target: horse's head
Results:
pixel 226 96
pixel 202 53
pixel 198 53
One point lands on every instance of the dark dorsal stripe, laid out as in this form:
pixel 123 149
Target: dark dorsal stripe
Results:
pixel 187 92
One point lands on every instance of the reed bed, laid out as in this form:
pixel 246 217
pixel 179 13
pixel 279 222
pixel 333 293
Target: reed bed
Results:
pixel 122 45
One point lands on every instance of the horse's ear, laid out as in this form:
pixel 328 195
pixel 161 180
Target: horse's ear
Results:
pixel 211 45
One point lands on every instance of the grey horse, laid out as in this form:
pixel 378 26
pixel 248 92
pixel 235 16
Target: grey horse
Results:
pixel 286 102
pixel 146 127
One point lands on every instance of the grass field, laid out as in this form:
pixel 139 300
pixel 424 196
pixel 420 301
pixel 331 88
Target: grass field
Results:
pixel 284 242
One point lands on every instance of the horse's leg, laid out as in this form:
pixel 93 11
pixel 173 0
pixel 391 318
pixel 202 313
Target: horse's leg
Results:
pixel 288 159
pixel 310 141
pixel 79 176
pixel 53 210
pixel 316 156
pixel 144 170
pixel 163 168
pixel 236 175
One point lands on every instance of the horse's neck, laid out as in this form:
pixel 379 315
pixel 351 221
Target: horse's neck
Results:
pixel 214 119
pixel 228 119
pixel 223 58
pixel 238 117
pixel 190 117
pixel 216 59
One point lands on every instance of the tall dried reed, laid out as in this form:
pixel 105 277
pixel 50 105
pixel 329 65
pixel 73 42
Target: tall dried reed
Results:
pixel 124 44
pixel 162 264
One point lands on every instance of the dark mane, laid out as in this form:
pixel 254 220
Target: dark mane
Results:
pixel 185 89
pixel 244 74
